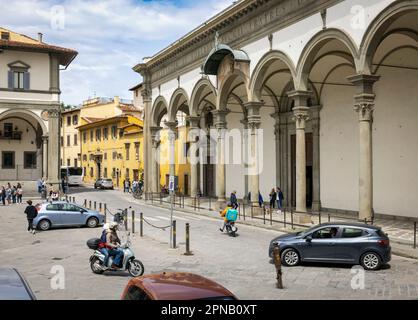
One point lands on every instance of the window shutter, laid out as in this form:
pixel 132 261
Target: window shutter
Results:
pixel 10 80
pixel 26 80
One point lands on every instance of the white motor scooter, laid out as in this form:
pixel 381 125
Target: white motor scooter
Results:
pixel 97 265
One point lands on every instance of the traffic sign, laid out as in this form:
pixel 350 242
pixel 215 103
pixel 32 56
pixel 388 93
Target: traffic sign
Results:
pixel 171 183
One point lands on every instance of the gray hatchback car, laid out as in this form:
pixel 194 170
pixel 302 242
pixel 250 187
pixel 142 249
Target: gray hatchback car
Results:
pixel 62 213
pixel 348 243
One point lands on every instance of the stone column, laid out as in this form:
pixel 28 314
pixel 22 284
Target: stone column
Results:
pixel 245 151
pixel 220 125
pixel 147 150
pixel 301 115
pixel 155 164
pixel 44 156
pixel 172 127
pixel 254 122
pixel 316 202
pixel 193 160
pixel 53 146
pixel 364 105
pixel 277 144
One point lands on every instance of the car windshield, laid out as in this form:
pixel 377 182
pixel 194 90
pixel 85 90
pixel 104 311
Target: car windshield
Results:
pixel 107 180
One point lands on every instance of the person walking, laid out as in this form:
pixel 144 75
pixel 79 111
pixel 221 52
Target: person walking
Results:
pixel 63 186
pixel 19 193
pixel 39 184
pixel 273 197
pixel 233 200
pixel 8 193
pixel 279 199
pixel 31 214
pixel 14 194
pixel 3 195
pixel 260 199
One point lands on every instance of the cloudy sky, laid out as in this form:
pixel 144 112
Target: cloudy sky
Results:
pixel 111 36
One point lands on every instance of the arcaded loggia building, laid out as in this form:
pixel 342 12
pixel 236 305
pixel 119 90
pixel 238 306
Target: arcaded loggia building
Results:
pixel 333 86
pixel 30 108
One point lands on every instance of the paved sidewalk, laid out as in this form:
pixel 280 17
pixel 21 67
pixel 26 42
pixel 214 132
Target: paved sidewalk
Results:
pixel 401 233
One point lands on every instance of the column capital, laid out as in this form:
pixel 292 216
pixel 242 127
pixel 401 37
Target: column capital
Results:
pixel 300 116
pixel 253 113
pixel 172 125
pixel 155 130
pixel 244 122
pixel 365 111
pixel 194 121
pixel 220 118
pixel 300 97
pixel 53 113
pixel 45 138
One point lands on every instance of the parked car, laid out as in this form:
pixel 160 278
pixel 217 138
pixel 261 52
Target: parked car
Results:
pixel 13 286
pixel 104 184
pixel 349 243
pixel 175 286
pixel 61 213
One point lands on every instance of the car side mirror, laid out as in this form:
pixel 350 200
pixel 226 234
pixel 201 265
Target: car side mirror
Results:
pixel 82 211
pixel 308 239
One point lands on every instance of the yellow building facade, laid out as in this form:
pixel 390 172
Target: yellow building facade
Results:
pixel 70 138
pixel 112 148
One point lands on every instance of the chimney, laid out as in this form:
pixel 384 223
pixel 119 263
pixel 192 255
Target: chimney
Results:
pixel 40 37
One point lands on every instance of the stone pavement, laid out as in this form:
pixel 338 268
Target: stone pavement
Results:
pixel 240 264
pixel 401 233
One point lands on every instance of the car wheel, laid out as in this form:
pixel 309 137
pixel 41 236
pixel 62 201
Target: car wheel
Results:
pixel 290 257
pixel 44 225
pixel 370 261
pixel 92 222
pixel 136 268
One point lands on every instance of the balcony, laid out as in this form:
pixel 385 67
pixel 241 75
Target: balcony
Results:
pixel 11 135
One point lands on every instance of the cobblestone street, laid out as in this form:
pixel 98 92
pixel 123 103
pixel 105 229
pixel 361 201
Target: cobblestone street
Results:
pixel 240 264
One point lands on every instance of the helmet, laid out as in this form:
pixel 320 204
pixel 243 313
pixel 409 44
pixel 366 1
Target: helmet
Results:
pixel 113 225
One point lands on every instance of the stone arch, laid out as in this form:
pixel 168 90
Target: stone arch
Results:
pixel 227 86
pixel 376 32
pixel 14 112
pixel 159 109
pixel 259 74
pixel 197 96
pixel 179 102
pixel 309 54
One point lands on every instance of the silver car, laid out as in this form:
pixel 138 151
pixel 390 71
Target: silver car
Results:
pixel 61 213
pixel 106 184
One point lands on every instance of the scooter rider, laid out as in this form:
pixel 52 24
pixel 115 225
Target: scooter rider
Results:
pixel 223 214
pixel 112 244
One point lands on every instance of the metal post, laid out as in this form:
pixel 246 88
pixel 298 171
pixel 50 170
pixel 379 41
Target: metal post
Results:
pixel 174 233
pixel 171 219
pixel 133 221
pixel 73 199
pixel 210 204
pixel 264 214
pixel 284 217
pixel 319 217
pixel 239 212
pixel 415 235
pixel 66 198
pixel 194 203
pixel 243 206
pixel 105 212
pixel 85 203
pixel 365 220
pixel 89 204
pixel 271 217
pixel 252 211
pixel 161 198
pixel 198 204
pixel 278 265
pixel 95 205
pixel 125 213
pixel 188 252
pixel 291 218
pixel 100 207
pixel 329 217
pixel 141 224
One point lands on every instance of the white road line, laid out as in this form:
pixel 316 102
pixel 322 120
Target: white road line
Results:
pixel 164 218
pixel 151 219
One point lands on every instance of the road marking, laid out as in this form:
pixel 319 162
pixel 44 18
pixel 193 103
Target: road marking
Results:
pixel 164 218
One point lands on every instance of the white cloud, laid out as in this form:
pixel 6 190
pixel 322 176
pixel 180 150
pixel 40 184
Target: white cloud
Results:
pixel 111 36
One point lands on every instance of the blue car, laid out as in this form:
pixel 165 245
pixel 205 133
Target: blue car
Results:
pixel 348 243
pixel 13 285
pixel 61 213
